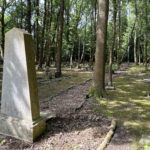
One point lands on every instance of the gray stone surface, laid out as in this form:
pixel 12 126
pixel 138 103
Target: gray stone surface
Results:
pixel 21 129
pixel 19 88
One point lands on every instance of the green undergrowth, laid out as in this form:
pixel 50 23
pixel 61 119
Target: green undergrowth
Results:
pixel 138 69
pixel 69 78
pixel 128 103
pixel 114 67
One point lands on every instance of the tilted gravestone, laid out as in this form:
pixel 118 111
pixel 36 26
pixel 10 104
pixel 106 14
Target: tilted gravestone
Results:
pixel 20 114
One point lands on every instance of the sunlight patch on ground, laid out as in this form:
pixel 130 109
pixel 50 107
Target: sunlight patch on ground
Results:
pixel 137 69
pixel 128 103
pixel 132 124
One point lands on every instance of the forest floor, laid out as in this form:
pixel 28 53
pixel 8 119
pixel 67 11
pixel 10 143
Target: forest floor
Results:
pixel 81 123
pixel 129 103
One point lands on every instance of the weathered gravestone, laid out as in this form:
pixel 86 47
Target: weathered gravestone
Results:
pixel 20 114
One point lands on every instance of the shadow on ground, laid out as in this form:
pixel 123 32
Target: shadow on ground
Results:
pixel 130 106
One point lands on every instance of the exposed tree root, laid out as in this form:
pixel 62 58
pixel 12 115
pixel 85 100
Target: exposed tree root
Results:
pixel 108 136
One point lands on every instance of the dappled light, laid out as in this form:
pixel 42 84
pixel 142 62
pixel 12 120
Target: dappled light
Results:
pixel 128 104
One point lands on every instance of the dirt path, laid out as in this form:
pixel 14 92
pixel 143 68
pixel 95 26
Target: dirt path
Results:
pixel 66 102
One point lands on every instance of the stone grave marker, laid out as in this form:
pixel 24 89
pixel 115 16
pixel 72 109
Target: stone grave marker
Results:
pixel 20 113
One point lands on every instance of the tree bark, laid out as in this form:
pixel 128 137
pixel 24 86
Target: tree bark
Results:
pixel 59 40
pixel 101 38
pixel 146 35
pixel 135 48
pixel 37 29
pixel 135 35
pixel 119 30
pixel 114 42
pixel 71 57
pixel 28 25
pixel 3 25
pixel 41 58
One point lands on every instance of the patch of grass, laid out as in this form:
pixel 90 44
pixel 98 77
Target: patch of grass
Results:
pixel 70 78
pixel 138 69
pixel 128 103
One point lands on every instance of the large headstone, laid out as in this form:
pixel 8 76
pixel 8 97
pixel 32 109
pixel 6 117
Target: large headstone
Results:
pixel 20 114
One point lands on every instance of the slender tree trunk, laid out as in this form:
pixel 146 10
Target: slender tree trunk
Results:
pixel 71 57
pixel 114 42
pixel 48 30
pixel 139 50
pixel 145 51
pixel 128 50
pixel 28 27
pixel 119 30
pixel 83 43
pixel 41 58
pixel 83 50
pixel 135 48
pixel 37 29
pixel 139 57
pixel 59 39
pixel 68 21
pixel 3 26
pixel 146 35
pixel 22 14
pixel 135 34
pixel 79 48
pixel 101 38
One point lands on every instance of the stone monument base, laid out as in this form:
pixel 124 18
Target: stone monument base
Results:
pixel 21 129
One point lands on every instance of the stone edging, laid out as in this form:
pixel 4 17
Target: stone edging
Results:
pixel 109 135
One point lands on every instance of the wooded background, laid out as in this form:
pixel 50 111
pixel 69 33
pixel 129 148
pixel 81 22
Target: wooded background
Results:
pixel 65 30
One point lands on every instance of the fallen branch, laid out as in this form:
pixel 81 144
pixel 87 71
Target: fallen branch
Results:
pixel 108 136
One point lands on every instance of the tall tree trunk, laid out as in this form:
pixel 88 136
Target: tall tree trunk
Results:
pixel 128 50
pixel 28 26
pixel 59 39
pixel 146 35
pixel 3 26
pixel 48 30
pixel 135 34
pixel 79 51
pixel 113 44
pixel 22 14
pixel 135 48
pixel 83 51
pixel 101 38
pixel 145 51
pixel 83 43
pixel 49 39
pixel 71 57
pixel 41 58
pixel 119 30
pixel 37 29
pixel 139 51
